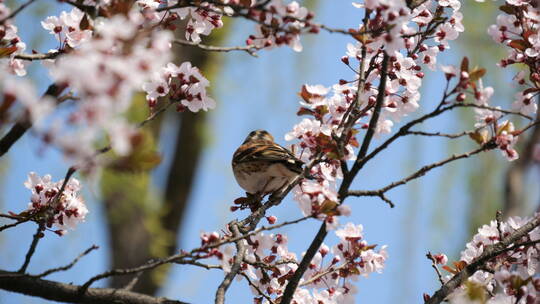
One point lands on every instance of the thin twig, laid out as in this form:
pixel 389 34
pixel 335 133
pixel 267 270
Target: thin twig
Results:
pixel 20 221
pixel 488 253
pixel 39 56
pixel 202 265
pixel 238 258
pixel 149 265
pixel 20 127
pixel 257 288
pixel 154 115
pixel 132 282
pixel 68 266
pixel 9 216
pixel 16 11
pixel 422 171
pixel 32 249
pixel 494 109
pixel 498 218
pixel 347 180
pixel 434 265
pixel 440 134
pixel 250 49
pixel 60 292
pixel 330 269
pixel 371 129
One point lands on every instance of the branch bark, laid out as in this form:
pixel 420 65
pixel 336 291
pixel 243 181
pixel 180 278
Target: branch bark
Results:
pixel 515 175
pixel 347 180
pixel 20 127
pixel 489 253
pixel 69 293
pixel 238 258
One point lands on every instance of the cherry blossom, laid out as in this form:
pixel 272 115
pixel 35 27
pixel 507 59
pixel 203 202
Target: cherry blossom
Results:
pixel 105 91
pixel 183 84
pixel 269 264
pixel 11 44
pixel 67 27
pixel 280 24
pixel 497 282
pixel 24 93
pixel 525 103
pixel 63 212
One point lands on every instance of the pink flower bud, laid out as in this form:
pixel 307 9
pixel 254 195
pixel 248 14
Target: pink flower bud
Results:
pixel 271 219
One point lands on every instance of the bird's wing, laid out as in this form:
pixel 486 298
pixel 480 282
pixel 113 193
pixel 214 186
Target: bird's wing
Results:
pixel 268 152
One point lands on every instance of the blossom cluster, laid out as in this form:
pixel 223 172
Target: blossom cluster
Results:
pixel 104 73
pixel 268 265
pixel 10 44
pixel 202 19
pixel 281 24
pixel 277 23
pixel 70 29
pixel 517 28
pixel 63 211
pixel 34 108
pixel 103 62
pixel 510 277
pixel 488 126
pixel 392 29
pixel 183 84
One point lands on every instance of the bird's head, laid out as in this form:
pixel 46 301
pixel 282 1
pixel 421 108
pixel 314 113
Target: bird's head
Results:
pixel 259 136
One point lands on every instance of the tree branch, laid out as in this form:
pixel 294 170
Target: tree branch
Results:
pixel 19 128
pixel 250 49
pixel 488 253
pixel 32 249
pixel 238 258
pixel 422 171
pixel 69 293
pixel 434 265
pixel 347 180
pixel 68 266
pixel 16 11
pixel 39 56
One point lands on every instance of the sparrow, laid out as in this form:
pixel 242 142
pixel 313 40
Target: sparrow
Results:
pixel 261 166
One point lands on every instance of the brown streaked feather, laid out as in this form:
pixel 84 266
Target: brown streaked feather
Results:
pixel 272 153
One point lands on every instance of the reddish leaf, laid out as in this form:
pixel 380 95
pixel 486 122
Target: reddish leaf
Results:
pixel 465 64
pixel 9 100
pixel 354 142
pixel 509 9
pixel 322 110
pixel 304 111
pixel 6 51
pixel 449 269
pixel 85 23
pixel 460 265
pixel 269 259
pixel 528 33
pixel 480 136
pixel 328 207
pixel 530 90
pixel 477 74
pixel 358 36
pixel 520 44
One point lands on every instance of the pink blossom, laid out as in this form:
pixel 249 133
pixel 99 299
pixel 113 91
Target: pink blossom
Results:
pixel 350 232
pixel 66 28
pixel 525 104
pixel 441 258
pixel 64 212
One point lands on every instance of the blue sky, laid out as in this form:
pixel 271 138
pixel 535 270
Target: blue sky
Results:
pixel 260 93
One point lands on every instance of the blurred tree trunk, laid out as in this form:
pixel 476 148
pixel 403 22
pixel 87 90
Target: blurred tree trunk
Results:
pixel 514 188
pixel 142 226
